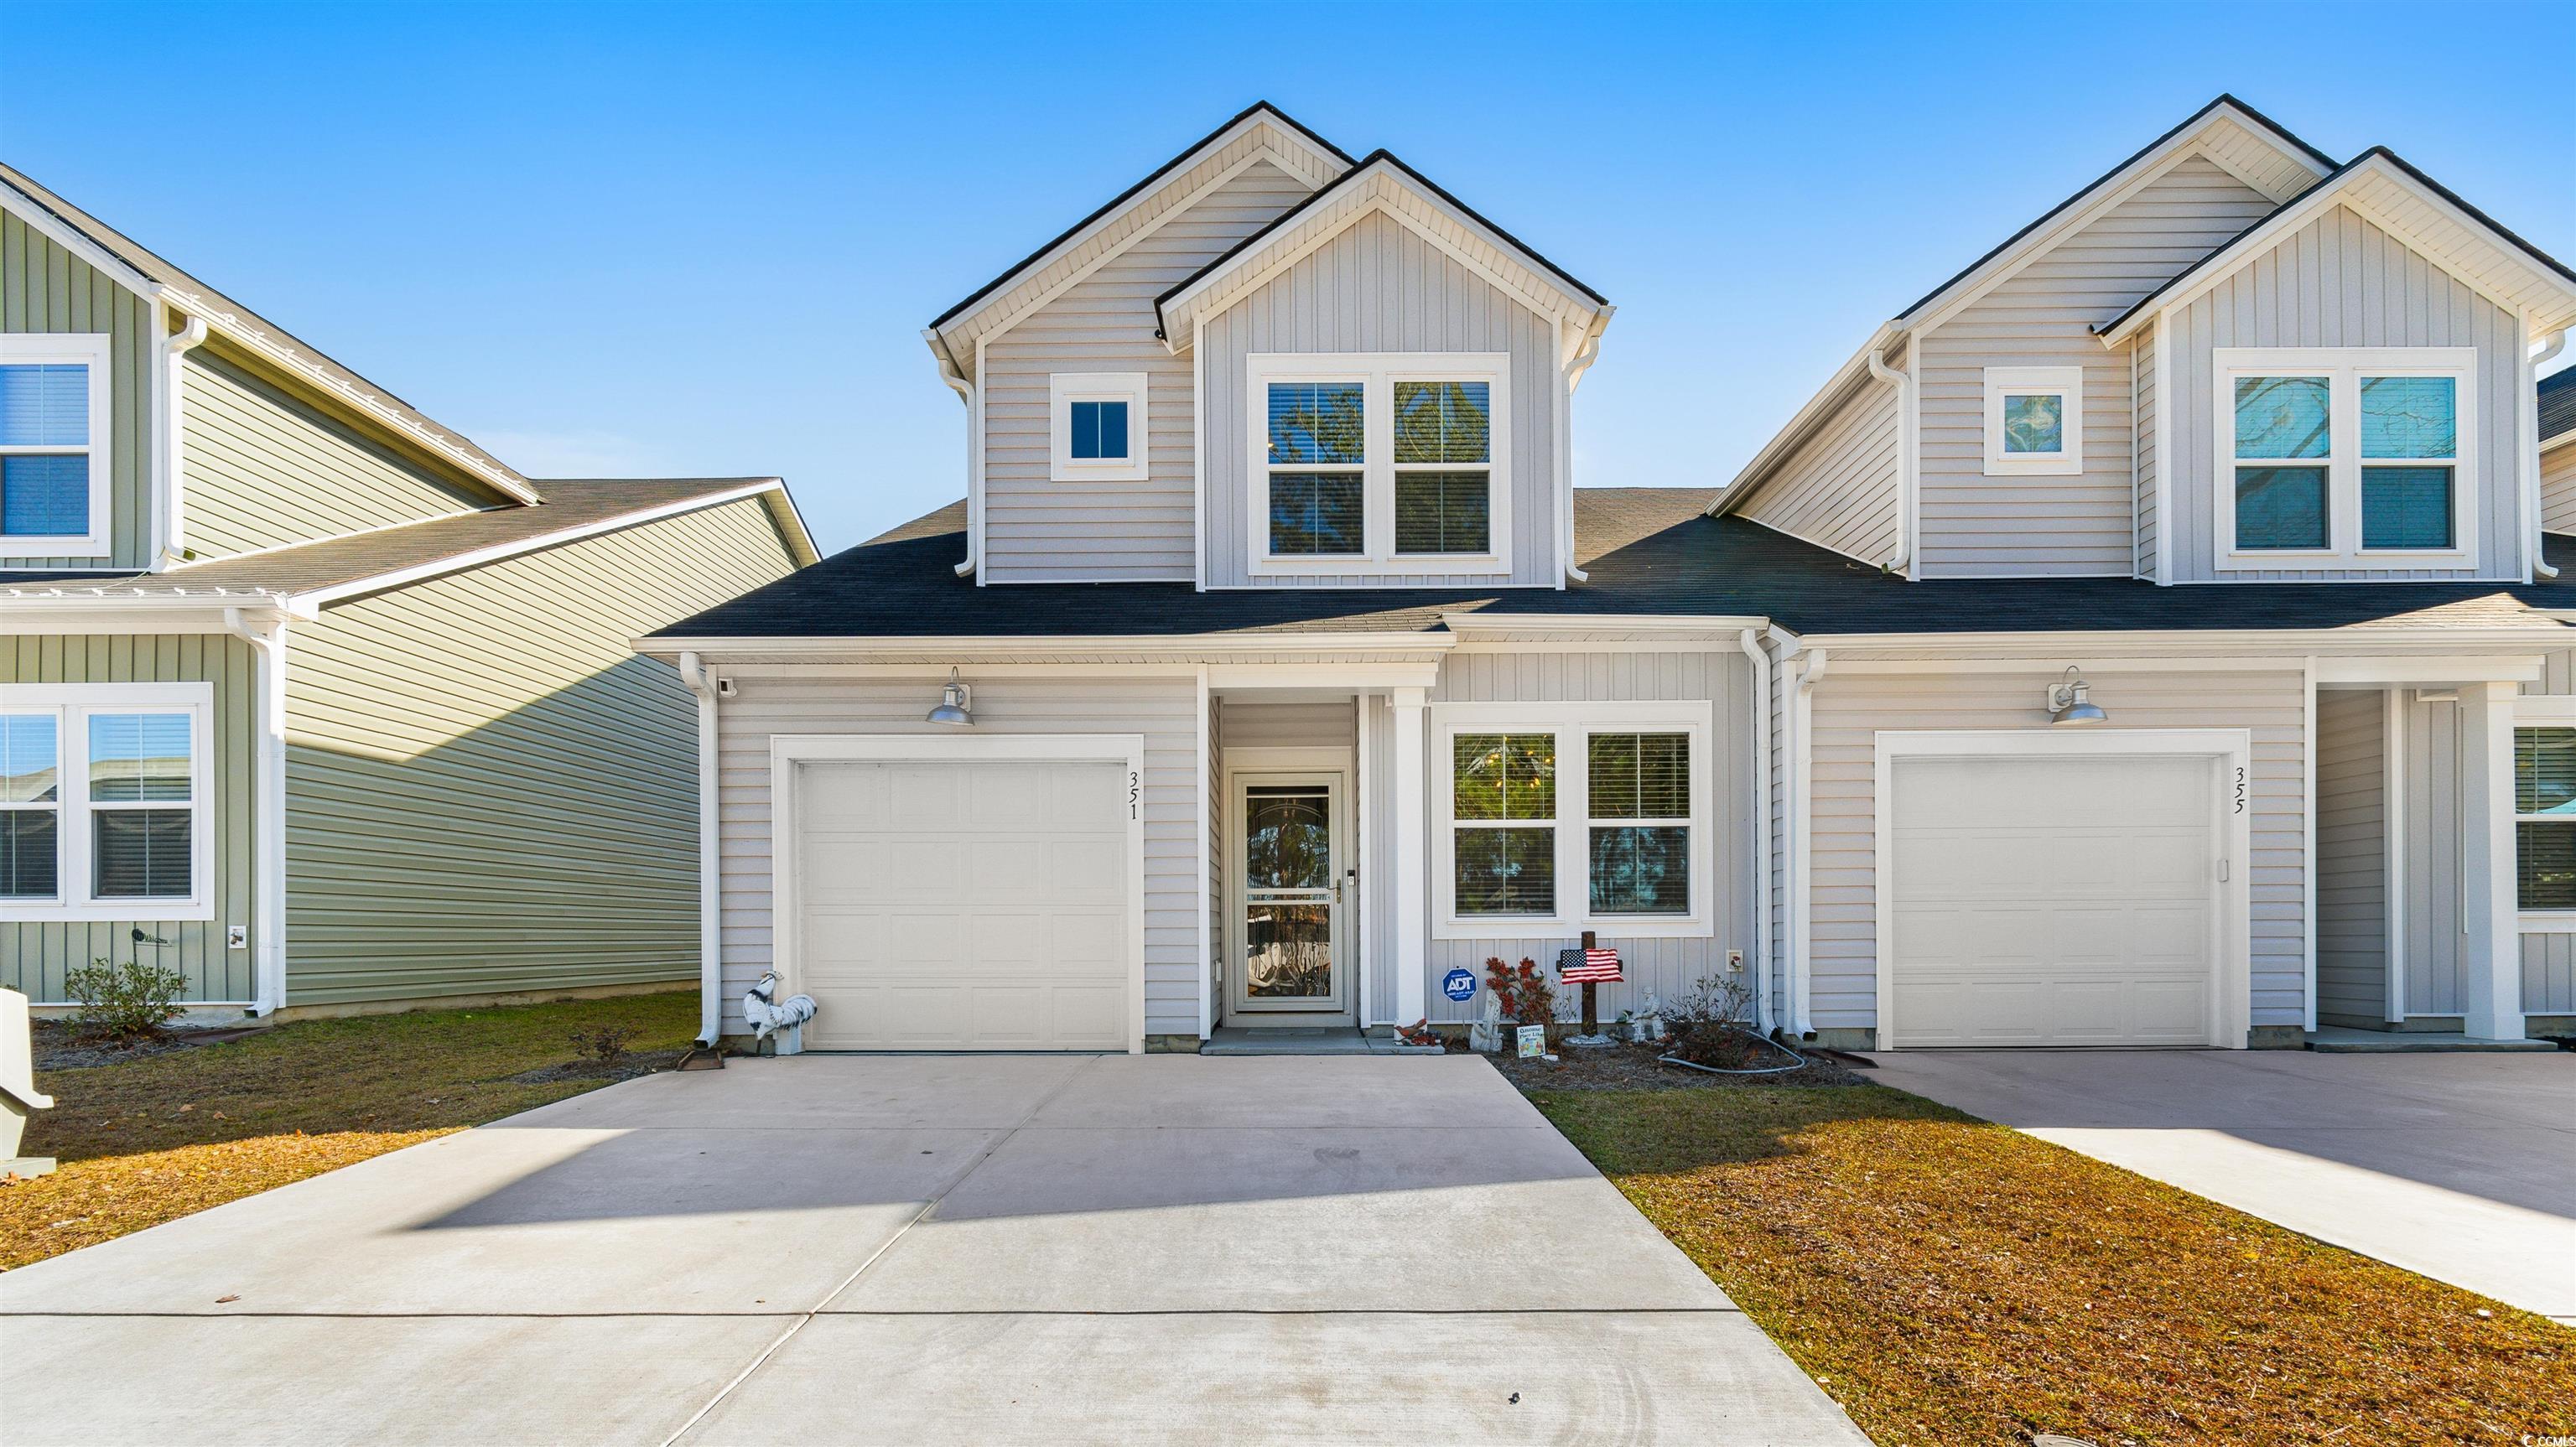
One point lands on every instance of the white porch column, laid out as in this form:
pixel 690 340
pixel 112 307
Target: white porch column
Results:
pixel 1412 881
pixel 2491 945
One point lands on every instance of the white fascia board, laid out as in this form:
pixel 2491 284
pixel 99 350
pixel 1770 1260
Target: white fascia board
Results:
pixel 2561 440
pixel 202 613
pixel 1819 409
pixel 1183 648
pixel 60 232
pixel 1557 624
pixel 2201 276
pixel 309 604
pixel 2285 642
pixel 2087 206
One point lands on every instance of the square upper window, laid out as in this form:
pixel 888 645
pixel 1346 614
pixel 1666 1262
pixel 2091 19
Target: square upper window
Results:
pixel 2034 421
pixel 1096 427
pixel 53 444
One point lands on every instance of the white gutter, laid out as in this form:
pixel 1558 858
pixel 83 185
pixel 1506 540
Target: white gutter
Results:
pixel 1908 463
pixel 966 393
pixel 1797 718
pixel 172 512
pixel 1750 640
pixel 1585 354
pixel 268 889
pixel 710 859
pixel 2530 418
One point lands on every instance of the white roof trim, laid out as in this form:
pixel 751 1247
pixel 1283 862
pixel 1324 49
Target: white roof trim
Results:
pixel 1167 647
pixel 1380 186
pixel 1017 290
pixel 2365 187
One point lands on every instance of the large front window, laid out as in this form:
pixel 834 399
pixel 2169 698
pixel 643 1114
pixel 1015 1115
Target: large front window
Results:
pixel 2544 818
pixel 1563 817
pixel 2333 456
pixel 1378 462
pixel 53 444
pixel 103 802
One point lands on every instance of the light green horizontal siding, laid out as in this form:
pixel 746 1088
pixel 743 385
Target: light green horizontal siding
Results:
pixel 262 469
pixel 33 956
pixel 44 288
pixel 487 791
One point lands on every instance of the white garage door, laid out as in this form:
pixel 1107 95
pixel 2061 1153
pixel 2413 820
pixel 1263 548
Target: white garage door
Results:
pixel 964 905
pixel 2065 901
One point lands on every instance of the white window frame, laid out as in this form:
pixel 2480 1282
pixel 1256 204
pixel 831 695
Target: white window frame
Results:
pixel 1573 724
pixel 73 706
pixel 2537 711
pixel 2068 385
pixel 1377 372
pixel 1066 388
pixel 94 350
pixel 2344 367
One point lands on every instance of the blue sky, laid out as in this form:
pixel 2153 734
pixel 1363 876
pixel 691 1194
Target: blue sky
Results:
pixel 678 240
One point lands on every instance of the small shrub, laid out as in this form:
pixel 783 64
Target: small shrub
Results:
pixel 131 1001
pixel 1723 1047
pixel 604 1044
pixel 1524 991
pixel 1713 1000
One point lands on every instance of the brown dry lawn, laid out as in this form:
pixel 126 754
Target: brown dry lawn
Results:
pixel 1954 1282
pixel 146 1141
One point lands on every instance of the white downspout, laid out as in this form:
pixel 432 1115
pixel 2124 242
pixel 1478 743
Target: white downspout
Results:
pixel 2530 414
pixel 1585 354
pixel 268 873
pixel 1797 718
pixel 710 858
pixel 1750 640
pixel 965 390
pixel 1907 463
pixel 172 515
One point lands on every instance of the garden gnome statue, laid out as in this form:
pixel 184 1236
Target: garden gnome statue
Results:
pixel 1487 1033
pixel 18 1096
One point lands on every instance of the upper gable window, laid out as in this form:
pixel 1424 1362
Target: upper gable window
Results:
pixel 53 444
pixel 2336 455
pixel 2034 421
pixel 1096 426
pixel 1378 462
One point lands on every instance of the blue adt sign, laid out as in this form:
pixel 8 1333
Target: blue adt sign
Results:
pixel 1457 984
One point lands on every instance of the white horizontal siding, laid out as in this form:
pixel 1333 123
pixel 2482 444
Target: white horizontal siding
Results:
pixel 1851 709
pixel 2339 281
pixel 2042 316
pixel 2558 488
pixel 1036 530
pixel 1379 287
pixel 1164 710
pixel 1839 490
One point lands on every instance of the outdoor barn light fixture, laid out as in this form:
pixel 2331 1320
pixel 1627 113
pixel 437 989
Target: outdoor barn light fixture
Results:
pixel 956 703
pixel 2068 702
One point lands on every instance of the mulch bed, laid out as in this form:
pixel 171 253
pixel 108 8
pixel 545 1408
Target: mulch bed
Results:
pixel 1634 1067
pixel 61 1045
pixel 625 1067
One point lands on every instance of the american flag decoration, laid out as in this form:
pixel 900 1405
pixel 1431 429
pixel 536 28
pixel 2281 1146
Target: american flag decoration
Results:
pixel 1589 967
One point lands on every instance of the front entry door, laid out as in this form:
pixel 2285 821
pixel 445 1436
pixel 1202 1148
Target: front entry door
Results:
pixel 1289 936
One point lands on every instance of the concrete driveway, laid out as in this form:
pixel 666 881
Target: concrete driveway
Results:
pixel 2459 1167
pixel 924 1250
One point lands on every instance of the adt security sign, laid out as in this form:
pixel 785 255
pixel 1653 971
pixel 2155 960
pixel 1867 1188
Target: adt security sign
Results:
pixel 1457 984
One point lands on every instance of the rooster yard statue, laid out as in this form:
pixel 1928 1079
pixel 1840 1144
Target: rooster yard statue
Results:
pixel 769 1015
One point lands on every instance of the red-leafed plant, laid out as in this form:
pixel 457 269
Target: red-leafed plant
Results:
pixel 1524 990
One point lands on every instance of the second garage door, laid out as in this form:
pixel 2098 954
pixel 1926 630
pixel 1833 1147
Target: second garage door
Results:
pixel 2054 901
pixel 964 905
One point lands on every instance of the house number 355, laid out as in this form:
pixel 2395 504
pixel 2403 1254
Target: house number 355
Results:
pixel 2240 791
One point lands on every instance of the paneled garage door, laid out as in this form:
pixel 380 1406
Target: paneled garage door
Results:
pixel 2054 901
pixel 964 905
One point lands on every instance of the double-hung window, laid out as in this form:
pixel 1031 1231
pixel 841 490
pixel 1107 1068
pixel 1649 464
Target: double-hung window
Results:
pixel 1555 818
pixel 2544 817
pixel 104 794
pixel 1378 462
pixel 54 418
pixel 2346 456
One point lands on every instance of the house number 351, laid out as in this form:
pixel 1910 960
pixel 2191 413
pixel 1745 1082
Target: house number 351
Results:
pixel 1133 793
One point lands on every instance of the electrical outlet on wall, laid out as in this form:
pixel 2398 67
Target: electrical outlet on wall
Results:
pixel 236 936
pixel 1735 959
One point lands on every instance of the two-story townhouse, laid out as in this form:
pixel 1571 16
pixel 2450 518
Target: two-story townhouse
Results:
pixel 305 695
pixel 2145 639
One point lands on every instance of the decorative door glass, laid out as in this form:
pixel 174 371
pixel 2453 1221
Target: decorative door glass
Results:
pixel 1288 892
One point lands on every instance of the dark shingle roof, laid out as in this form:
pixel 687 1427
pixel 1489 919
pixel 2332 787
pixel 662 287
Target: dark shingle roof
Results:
pixel 570 503
pixel 2557 403
pixel 1648 550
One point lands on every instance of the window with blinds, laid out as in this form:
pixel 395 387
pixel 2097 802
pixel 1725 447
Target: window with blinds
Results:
pixel 1443 467
pixel 1639 805
pixel 1378 461
pixel 2544 815
pixel 52 411
pixel 2347 455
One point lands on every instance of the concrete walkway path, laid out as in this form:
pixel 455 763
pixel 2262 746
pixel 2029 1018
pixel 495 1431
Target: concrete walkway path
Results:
pixel 2458 1167
pixel 922 1251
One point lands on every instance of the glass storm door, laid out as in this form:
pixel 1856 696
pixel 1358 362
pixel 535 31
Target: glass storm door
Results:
pixel 1289 911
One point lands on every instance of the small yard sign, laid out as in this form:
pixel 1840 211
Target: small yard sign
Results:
pixel 1532 1040
pixel 1458 985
